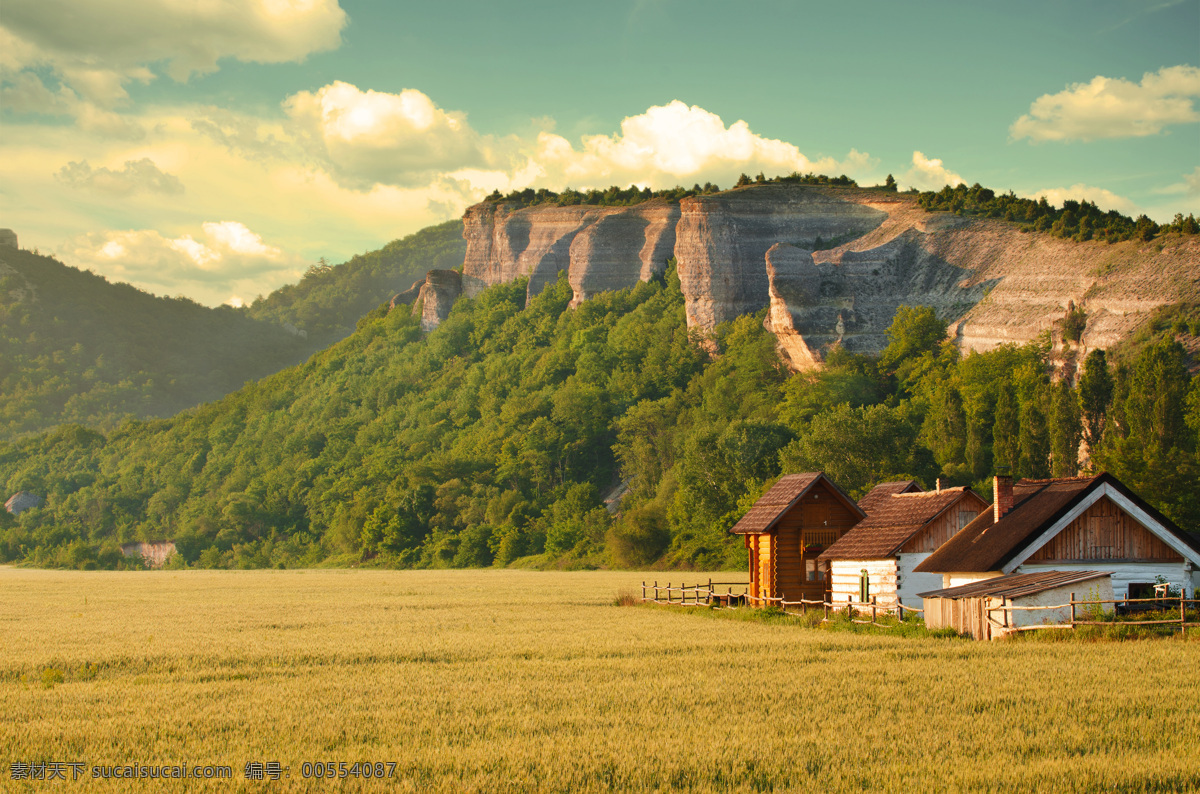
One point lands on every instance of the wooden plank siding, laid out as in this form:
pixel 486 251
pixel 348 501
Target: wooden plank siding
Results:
pixel 946 525
pixel 847 579
pixel 1104 532
pixel 778 561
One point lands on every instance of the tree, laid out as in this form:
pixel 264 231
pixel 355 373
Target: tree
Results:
pixel 890 182
pixel 914 330
pixel 1095 396
pixel 1035 434
pixel 1006 430
pixel 1065 431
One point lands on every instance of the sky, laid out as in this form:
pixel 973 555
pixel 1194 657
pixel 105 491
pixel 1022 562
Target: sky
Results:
pixel 215 149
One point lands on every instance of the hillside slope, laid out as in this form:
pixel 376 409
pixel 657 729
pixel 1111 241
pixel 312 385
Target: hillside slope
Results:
pixel 75 348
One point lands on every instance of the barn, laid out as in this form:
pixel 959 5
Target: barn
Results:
pixel 786 531
pixel 875 559
pixel 1069 524
pixel 992 608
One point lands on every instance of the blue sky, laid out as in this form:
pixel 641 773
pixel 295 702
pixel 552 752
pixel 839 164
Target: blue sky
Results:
pixel 215 150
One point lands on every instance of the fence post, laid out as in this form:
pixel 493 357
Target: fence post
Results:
pixel 643 590
pixel 1182 614
pixel 1072 611
pixel 656 591
pixel 873 608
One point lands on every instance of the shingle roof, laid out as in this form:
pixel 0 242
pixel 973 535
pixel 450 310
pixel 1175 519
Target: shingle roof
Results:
pixel 884 490
pixel 890 522
pixel 771 506
pixel 1015 585
pixel 1037 504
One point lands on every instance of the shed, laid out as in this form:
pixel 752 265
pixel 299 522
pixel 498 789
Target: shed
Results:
pixel 787 529
pixel 1072 523
pixel 985 609
pixel 875 560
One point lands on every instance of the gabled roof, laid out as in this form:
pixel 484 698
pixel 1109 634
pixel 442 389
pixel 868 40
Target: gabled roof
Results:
pixel 1016 584
pixel 884 490
pixel 1038 505
pixel 891 521
pixel 782 496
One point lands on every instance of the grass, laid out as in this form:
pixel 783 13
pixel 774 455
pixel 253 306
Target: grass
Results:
pixel 521 680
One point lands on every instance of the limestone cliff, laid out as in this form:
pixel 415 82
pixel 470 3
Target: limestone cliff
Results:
pixel 436 296
pixel 600 248
pixel 831 264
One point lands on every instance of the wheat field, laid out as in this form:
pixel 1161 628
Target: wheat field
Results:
pixel 531 681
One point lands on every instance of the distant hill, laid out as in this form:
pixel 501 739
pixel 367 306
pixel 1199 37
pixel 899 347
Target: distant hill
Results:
pixel 75 348
pixel 328 302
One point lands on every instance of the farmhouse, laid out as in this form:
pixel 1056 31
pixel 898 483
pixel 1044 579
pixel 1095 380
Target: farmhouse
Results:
pixel 1069 524
pixel 786 531
pixel 992 608
pixel 875 559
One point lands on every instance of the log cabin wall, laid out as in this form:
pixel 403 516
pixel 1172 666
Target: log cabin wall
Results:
pixel 815 522
pixel 945 526
pixel 1104 532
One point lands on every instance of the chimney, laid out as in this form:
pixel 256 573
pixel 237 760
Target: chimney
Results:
pixel 1002 494
pixel 939 484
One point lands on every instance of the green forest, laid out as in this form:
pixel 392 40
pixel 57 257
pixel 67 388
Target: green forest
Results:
pixel 77 349
pixel 494 439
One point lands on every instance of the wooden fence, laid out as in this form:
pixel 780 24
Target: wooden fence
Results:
pixel 707 595
pixel 1166 604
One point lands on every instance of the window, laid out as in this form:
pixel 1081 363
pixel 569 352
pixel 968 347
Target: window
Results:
pixel 864 586
pixel 813 571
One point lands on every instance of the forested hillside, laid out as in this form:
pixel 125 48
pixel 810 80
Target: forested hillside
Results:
pixel 492 440
pixel 75 348
pixel 328 301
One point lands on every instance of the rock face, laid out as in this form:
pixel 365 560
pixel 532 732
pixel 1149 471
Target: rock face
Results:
pixel 600 248
pixel 722 240
pixel 436 296
pixel 22 501
pixel 154 554
pixel 831 264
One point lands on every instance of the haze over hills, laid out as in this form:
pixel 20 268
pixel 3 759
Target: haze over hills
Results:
pixel 75 348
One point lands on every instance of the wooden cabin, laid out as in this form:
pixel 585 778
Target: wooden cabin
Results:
pixel 1070 524
pixel 876 559
pixel 991 609
pixel 787 530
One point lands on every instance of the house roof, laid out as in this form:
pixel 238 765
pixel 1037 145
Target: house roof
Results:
pixel 884 490
pixel 891 520
pixel 781 497
pixel 984 545
pixel 1015 585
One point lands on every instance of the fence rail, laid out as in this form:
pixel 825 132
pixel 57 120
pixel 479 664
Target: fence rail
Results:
pixel 1167 603
pixel 708 596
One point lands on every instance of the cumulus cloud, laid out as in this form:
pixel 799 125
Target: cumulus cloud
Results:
pixel 89 52
pixel 929 174
pixel 369 137
pixel 1189 186
pixel 229 258
pixel 672 143
pixel 1113 108
pixel 1104 199
pixel 137 176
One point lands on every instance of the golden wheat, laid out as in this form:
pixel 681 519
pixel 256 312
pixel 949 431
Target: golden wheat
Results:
pixel 515 680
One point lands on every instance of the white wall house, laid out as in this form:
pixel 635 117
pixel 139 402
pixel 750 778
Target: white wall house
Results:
pixel 1070 524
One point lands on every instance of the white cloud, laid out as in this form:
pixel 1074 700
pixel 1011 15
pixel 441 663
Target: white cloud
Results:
pixel 1190 186
pixel 94 49
pixel 929 174
pixel 229 256
pixel 369 137
pixel 674 143
pixel 1113 108
pixel 1104 199
pixel 137 176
